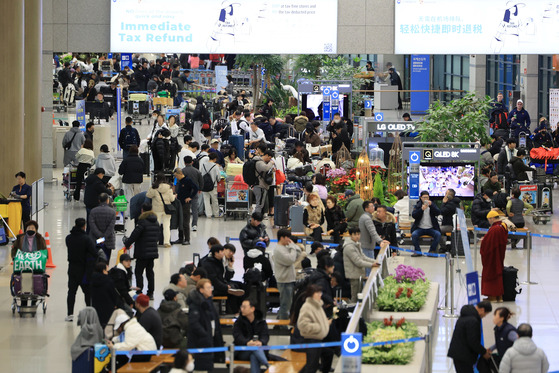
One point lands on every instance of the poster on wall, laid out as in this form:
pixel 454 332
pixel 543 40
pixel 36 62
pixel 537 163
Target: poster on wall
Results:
pixel 476 27
pixel 224 26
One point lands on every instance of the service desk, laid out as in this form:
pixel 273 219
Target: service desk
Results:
pixel 11 212
pixel 386 97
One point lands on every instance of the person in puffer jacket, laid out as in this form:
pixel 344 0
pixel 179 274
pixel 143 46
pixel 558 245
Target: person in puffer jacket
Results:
pixel 524 355
pixel 254 232
pixel 255 258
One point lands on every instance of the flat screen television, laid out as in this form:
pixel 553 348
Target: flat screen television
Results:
pixel 438 178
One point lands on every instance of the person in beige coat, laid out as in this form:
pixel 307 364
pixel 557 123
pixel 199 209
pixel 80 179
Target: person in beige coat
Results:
pixel 355 262
pixel 161 193
pixel 314 326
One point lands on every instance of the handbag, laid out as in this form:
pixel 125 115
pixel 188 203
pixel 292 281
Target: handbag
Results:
pixel 205 126
pixel 169 209
pixel 280 177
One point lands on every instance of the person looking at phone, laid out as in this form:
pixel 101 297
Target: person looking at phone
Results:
pixel 251 330
pixel 426 224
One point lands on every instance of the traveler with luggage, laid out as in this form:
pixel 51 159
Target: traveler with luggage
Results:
pixel 492 250
pixel 132 171
pixel 186 191
pixel 30 241
pixel 162 197
pixel 196 177
pixel 94 186
pixel 102 224
pixel 128 136
pixel 91 333
pixel 201 118
pixel 85 159
pixel 106 161
pixel 72 142
pixel 210 175
pixel 258 172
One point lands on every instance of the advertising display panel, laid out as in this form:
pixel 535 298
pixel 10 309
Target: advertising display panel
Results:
pixel 476 27
pixel 224 26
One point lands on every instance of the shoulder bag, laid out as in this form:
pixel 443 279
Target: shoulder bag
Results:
pixel 169 209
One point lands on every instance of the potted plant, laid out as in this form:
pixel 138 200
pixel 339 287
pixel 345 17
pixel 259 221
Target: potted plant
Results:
pixel 389 330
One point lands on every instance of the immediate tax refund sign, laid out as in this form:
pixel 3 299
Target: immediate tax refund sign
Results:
pixel 224 26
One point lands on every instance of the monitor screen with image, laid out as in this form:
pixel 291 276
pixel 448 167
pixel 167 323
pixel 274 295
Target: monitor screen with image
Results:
pixel 438 178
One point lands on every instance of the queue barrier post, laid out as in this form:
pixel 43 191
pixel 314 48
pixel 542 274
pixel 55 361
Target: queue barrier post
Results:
pixel 428 349
pixel 446 281
pixel 452 314
pixel 476 248
pixel 528 240
pixel 231 358
pixel 113 359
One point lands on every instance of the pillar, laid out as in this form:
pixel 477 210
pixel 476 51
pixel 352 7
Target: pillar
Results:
pixel 478 72
pixel 46 91
pixel 32 107
pixel 529 86
pixel 11 105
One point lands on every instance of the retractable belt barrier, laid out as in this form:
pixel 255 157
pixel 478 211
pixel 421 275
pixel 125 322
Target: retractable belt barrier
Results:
pixel 415 252
pixel 326 244
pixel 510 233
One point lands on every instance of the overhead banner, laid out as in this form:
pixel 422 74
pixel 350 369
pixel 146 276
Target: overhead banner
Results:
pixel 476 27
pixel 224 26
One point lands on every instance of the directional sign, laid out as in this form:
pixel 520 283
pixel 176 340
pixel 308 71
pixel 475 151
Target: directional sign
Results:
pixel 335 95
pixel 415 157
pixel 368 104
pixel 351 352
pixel 326 91
pixel 379 117
pixel 473 288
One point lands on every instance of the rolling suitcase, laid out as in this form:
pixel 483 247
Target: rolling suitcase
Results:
pixel 3 237
pixel 510 283
pixel 40 284
pixel 84 363
pixel 145 158
pixel 238 142
pixel 282 203
pixel 296 219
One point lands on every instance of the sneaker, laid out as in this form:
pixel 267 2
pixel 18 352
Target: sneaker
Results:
pixel 194 228
pixel 236 292
pixel 176 242
pixel 69 318
pixel 167 245
pixel 186 243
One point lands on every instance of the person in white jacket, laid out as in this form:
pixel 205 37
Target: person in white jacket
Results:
pixel 135 338
pixel 106 161
pixel 208 165
pixel 403 205
pixel 524 355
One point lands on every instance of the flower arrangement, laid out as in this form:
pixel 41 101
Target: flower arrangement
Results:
pixel 408 296
pixel 389 330
pixel 406 273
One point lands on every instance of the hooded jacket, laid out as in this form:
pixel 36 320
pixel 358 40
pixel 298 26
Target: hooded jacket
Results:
pixel 256 256
pixel 524 356
pixel 480 209
pixel 354 210
pixel 250 234
pixel 519 168
pixel 135 337
pixel 312 322
pixel 300 123
pixel 145 236
pixel 174 321
pixel 90 332
pixel 107 162
pixel 181 297
pixel 448 209
pixel 465 345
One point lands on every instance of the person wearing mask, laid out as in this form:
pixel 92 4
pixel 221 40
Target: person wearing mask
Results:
pixel 519 167
pixel 85 158
pixel 184 363
pixel 104 297
pixel 335 219
pixel 196 177
pixel 448 208
pixel 425 223
pixel 106 161
pixel 94 186
pixel 253 233
pixel 505 155
pixel 524 355
pixel 132 171
pixel 186 190
pixel 161 194
pixel 337 119
pixel 480 208
pixel 128 137
pixel 370 239
pixel 264 166
pixel 519 120
pixel 204 329
pixel 355 262
pixel 492 251
pixel 102 224
pixel 91 333
pixel 145 236
pixel 313 217
pixel 515 212
pixel 402 206
pixel 81 259
pixel 353 208
pixel 23 192
pixel 121 274
pixel 340 137
pixel 505 333
pixel 284 257
pixel 210 167
pixel 314 327
pixel 251 330
pixel 135 338
pixel 465 345
pixel 148 318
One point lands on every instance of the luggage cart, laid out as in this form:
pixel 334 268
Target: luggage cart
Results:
pixel 69 181
pixel 237 199
pixel 29 291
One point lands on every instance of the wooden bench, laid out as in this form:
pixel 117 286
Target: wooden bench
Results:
pixel 227 326
pixel 144 367
pixel 273 322
pixel 295 362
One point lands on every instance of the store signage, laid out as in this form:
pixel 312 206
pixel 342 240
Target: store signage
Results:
pixel 392 126
pixel 458 27
pixel 217 26
pixel 351 352
pixel 427 154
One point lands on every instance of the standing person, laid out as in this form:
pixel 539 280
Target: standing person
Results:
pixel 492 250
pixel 145 235
pixel 89 129
pixel 314 326
pixel 186 191
pixel 196 177
pixel 72 142
pixel 425 223
pixel 81 259
pixel 524 355
pixel 214 148
pixel 104 297
pixel 519 119
pixel 200 116
pixel 505 333
pixel 264 166
pixel 506 155
pixel 149 318
pixel 313 217
pixel 353 208
pixel 128 136
pixel 355 262
pixel 160 149
pixel 251 330
pixel 335 218
pixel 102 224
pixel 369 236
pixel 132 171
pixel 23 191
pixel 85 158
pixel 161 194
pixel 106 161
pixel 515 211
pixel 465 345
pixel 395 80
pixel 210 176
pixel 285 255
pixel 448 208
pixel 121 274
pixel 204 329
pixel 94 186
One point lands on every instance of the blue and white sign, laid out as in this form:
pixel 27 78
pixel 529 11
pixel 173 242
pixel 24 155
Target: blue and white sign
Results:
pixel 125 60
pixel 335 95
pixel 368 104
pixel 415 159
pixel 351 352
pixel 80 113
pixel 420 80
pixel 326 104
pixel 118 113
pixel 379 117
pixel 472 286
pixel 220 77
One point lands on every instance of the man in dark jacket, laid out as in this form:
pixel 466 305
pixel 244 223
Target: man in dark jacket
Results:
pixel 128 136
pixel 395 80
pixel 186 191
pixel 340 137
pixel 102 224
pixel 448 209
pixel 465 346
pixel 196 177
pixel 104 297
pixel 149 318
pixel 173 319
pixel 121 274
pixel 519 119
pixel 280 129
pixel 505 156
pixel 204 329
pixel 94 186
pixel 480 208
pixel 496 145
pixel 425 224
pixel 213 264
pixel 81 258
pixel 519 168
pixel 145 236
pixel 251 330
pixel 253 232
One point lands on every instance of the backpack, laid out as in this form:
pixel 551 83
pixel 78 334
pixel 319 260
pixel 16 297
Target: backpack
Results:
pixel 131 138
pixel 171 329
pixel 249 172
pixel 500 120
pixel 196 161
pixel 208 182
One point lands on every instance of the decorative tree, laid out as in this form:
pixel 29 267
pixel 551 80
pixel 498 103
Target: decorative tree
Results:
pixel 364 177
pixel 343 159
pixel 378 188
pixel 395 165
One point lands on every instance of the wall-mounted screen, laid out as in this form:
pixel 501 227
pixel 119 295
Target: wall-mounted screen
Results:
pixel 437 179
pixel 224 26
pixel 476 27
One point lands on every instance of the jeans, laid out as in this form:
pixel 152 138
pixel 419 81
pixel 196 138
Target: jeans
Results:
pixel 259 198
pixel 426 232
pixel 211 205
pixel 124 154
pixel 286 298
pixel 146 264
pixel 369 253
pixel 257 358
pixel 73 283
pixel 195 204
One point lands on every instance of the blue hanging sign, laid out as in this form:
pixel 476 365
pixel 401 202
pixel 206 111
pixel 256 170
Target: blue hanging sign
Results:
pixel 415 159
pixel 420 80
pixel 80 113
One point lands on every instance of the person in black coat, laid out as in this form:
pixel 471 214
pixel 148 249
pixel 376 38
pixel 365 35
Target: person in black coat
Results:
pixel 335 219
pixel 465 345
pixel 104 297
pixel 94 186
pixel 121 274
pixel 160 149
pixel 213 264
pixel 425 227
pixel 519 167
pixel 448 209
pixel 256 256
pixel 280 129
pixel 251 330
pixel 254 232
pixel 395 80
pixel 480 208
pixel 81 259
pixel 149 318
pixel 340 137
pixel 132 167
pixel 201 316
pixel 496 145
pixel 145 236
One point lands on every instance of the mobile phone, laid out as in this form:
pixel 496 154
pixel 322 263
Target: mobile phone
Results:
pixel 255 337
pixel 100 240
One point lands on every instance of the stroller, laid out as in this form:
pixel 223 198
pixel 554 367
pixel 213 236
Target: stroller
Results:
pixel 29 283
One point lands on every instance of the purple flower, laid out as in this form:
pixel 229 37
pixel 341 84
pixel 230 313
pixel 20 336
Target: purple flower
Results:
pixel 409 273
pixel 336 172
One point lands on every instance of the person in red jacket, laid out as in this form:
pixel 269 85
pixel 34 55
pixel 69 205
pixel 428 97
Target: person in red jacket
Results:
pixel 492 251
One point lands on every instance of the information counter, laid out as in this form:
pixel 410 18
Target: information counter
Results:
pixel 387 98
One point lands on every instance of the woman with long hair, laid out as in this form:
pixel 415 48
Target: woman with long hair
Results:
pixel 313 217
pixel 161 194
pixel 335 219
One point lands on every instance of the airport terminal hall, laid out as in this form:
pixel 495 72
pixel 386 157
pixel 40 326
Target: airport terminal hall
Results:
pixel 304 186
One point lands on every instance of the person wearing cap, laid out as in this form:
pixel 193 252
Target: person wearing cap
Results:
pixel 253 233
pixel 492 250
pixel 149 318
pixel 353 208
pixel 255 258
pixel 519 119
pixel 214 148
pixel 174 319
pixel 178 284
pixel 135 338
pixel 121 274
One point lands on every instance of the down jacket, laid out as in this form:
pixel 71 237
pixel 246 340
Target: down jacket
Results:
pixel 132 170
pixel 524 356
pixel 135 337
pixel 102 224
pixel 312 322
pixel 145 236
pixel 166 192
pixel 250 234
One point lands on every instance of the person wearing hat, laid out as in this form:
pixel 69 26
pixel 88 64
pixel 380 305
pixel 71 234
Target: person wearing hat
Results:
pixel 121 274
pixel 174 320
pixel 519 119
pixel 214 148
pixel 353 208
pixel 135 338
pixel 492 251
pixel 255 258
pixel 149 318
pixel 253 233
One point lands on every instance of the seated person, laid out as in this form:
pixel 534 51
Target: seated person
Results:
pixel 519 167
pixel 254 232
pixel 335 218
pixel 313 217
pixel 301 152
pixel 484 176
pixel 492 185
pixel 174 320
pixel 121 274
pixel 321 278
pixel 135 338
pixel 216 273
pixel 255 258
pixel 251 330
pixel 425 223
pixel 385 224
pixel 149 318
pixel 480 208
pixel 486 158
pixel 191 281
pixel 402 207
pixel 178 284
pixel 543 136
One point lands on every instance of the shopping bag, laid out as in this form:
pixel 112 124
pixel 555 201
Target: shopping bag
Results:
pixel 35 261
pixel 116 181
pixel 120 252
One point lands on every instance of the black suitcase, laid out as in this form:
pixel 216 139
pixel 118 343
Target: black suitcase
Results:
pixel 510 283
pixel 282 203
pixel 145 158
pixel 138 107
